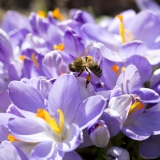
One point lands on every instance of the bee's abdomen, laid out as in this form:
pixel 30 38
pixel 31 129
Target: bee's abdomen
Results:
pixel 96 69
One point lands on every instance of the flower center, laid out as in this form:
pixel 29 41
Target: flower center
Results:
pixel 135 106
pixel 11 138
pixel 59 47
pixel 57 14
pixel 115 68
pixel 57 128
pixel 123 31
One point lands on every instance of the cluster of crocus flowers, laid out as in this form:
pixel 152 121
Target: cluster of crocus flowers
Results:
pixel 48 111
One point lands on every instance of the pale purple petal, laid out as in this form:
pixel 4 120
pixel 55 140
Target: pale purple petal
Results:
pixel 150 148
pixel 6 52
pixel 65 95
pixel 25 97
pixel 132 48
pixel 143 66
pixel 121 105
pixel 129 80
pixel 5 101
pixel 148 95
pixel 105 37
pixel 4 118
pixel 144 27
pixel 135 132
pixel 55 64
pixel 9 152
pixel 46 150
pixel 89 111
pixel 112 120
pixel 73 140
pixel 148 4
pixel 36 131
pixel 73 43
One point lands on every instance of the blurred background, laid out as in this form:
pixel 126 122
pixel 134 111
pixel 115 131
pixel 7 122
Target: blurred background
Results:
pixel 98 7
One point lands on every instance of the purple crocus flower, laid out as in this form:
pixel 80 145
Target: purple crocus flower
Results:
pixel 137 125
pixel 58 128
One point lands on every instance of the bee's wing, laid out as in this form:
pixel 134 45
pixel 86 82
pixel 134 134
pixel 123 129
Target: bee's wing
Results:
pixel 85 52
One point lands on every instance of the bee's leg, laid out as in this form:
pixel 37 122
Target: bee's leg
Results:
pixel 88 77
pixel 79 73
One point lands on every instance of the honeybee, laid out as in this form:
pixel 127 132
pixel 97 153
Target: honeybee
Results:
pixel 85 64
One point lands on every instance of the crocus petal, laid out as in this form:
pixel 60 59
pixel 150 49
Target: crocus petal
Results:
pixel 73 43
pixel 143 66
pixel 9 23
pixel 129 80
pixel 14 154
pixel 82 16
pixel 121 105
pixel 146 28
pixel 41 84
pixel 116 113
pixel 72 155
pixel 132 48
pixel 110 77
pixel 155 78
pixel 150 122
pixel 112 120
pixel 25 97
pixel 5 47
pixel 92 30
pixel 46 150
pixel 148 95
pixel 4 117
pixel 5 101
pixel 89 111
pixel 100 136
pixel 148 4
pixel 73 140
pixel 55 64
pixel 135 132
pixel 150 148
pixel 65 95
pixel 36 131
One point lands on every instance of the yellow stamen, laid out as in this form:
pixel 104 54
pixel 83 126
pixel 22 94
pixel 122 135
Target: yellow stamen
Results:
pixel 57 14
pixel 22 57
pixel 122 30
pixel 115 68
pixel 41 14
pixel 34 60
pixel 59 47
pixel 136 106
pixel 123 69
pixel 11 138
pixel 51 121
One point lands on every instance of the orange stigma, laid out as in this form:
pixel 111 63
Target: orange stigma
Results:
pixel 57 14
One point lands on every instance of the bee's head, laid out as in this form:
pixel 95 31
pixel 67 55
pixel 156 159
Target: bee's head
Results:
pixel 72 67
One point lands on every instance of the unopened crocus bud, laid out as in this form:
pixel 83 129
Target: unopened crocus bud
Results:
pixel 99 134
pixel 117 153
